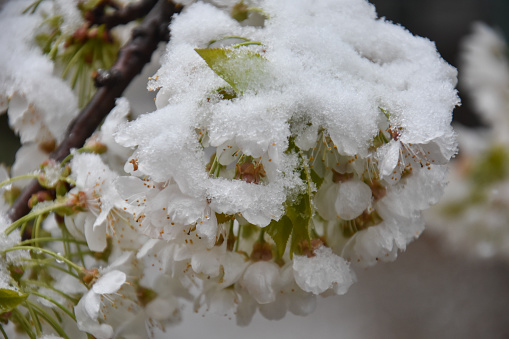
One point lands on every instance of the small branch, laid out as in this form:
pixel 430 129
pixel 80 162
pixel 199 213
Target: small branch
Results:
pixel 131 60
pixel 105 77
pixel 120 16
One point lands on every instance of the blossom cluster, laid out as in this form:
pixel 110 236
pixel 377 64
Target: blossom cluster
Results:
pixel 291 143
pixel 472 217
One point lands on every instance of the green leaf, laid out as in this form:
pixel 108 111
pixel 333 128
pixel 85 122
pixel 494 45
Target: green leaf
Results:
pixel 227 93
pixel 280 232
pixel 89 5
pixel 248 230
pixel 295 222
pixel 9 299
pixel 318 180
pixel 300 216
pixel 301 210
pixel 385 112
pixel 240 68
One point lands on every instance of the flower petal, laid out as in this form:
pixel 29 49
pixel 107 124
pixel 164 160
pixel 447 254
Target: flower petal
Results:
pixel 110 282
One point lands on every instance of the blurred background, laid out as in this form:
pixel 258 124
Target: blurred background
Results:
pixel 431 290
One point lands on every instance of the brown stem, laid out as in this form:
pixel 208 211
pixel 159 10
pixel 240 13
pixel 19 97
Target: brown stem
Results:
pixel 120 16
pixel 131 60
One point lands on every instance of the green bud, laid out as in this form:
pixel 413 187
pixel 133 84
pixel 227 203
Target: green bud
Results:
pixel 39 197
pixel 61 189
pixel 94 146
pixel 74 203
pixel 11 194
pixel 16 272
pixel 240 11
pixel 66 171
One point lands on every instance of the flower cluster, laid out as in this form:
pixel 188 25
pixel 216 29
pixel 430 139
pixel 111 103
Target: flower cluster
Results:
pixel 473 216
pixel 291 143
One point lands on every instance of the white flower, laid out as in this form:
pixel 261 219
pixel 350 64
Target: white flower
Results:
pixel 94 185
pixel 397 157
pixel 289 298
pixel 261 281
pixel 227 270
pixel 323 272
pixel 160 308
pixel 10 240
pixel 401 221
pixel 115 153
pixel 89 306
pixel 163 210
pixel 28 159
pixel 345 200
pixel 485 76
pixel 40 104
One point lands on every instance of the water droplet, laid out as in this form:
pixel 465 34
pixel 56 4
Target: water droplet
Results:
pixel 60 261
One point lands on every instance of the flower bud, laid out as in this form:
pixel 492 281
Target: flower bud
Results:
pixel 94 146
pixel 11 194
pixel 81 33
pixel 40 197
pixel 92 33
pixel 48 146
pixel 16 272
pixel 261 251
pixel 240 11
pixel 4 317
pixel 89 276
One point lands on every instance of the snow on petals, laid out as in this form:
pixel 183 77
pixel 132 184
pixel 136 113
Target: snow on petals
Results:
pixel 322 272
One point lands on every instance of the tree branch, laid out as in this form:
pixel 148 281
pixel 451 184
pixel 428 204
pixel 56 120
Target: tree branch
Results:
pixel 121 15
pixel 131 60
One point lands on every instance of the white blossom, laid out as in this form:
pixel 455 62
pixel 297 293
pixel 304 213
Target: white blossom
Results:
pixel 94 185
pixel 472 218
pixel 322 272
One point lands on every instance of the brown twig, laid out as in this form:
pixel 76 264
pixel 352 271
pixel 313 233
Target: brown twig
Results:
pixel 121 15
pixel 131 60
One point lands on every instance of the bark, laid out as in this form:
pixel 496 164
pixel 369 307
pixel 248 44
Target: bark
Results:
pixel 121 15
